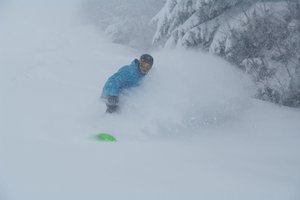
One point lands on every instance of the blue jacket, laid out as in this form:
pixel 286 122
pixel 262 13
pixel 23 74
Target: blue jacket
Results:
pixel 128 76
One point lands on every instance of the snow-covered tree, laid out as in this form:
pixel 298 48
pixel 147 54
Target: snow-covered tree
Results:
pixel 267 46
pixel 194 23
pixel 126 22
pixel 260 37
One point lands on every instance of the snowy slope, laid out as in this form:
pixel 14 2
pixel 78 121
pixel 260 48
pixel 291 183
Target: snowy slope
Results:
pixel 190 132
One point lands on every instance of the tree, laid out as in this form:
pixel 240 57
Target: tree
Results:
pixel 193 23
pixel 125 22
pixel 260 37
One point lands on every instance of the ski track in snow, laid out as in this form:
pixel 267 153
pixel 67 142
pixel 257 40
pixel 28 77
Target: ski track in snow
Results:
pixel 191 131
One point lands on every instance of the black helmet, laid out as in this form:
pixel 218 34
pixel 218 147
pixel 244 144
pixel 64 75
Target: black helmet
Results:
pixel 147 58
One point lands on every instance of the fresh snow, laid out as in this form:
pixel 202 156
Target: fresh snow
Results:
pixel 191 131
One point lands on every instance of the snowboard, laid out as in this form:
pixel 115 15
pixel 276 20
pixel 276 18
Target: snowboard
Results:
pixel 106 137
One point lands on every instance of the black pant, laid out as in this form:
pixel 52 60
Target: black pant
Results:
pixel 112 104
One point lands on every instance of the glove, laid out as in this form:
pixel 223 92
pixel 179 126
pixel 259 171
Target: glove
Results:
pixel 112 100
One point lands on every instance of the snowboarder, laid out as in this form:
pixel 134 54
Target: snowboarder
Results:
pixel 128 76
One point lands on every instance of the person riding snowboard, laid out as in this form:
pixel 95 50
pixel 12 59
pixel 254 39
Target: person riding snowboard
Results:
pixel 128 76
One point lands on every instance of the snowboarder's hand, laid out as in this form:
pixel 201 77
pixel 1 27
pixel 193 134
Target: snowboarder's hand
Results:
pixel 113 100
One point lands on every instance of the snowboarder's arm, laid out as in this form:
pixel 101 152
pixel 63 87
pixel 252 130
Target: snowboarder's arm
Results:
pixel 116 82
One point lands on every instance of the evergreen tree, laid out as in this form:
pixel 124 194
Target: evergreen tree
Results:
pixel 193 23
pixel 125 22
pixel 260 37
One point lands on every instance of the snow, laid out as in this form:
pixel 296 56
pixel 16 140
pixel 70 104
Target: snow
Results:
pixel 191 131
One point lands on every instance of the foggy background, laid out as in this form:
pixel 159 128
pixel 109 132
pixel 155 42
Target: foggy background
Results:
pixel 127 22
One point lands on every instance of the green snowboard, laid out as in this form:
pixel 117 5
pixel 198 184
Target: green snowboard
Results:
pixel 106 137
